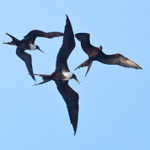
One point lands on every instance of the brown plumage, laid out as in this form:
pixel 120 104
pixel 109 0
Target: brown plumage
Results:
pixel 28 43
pixel 62 75
pixel 96 54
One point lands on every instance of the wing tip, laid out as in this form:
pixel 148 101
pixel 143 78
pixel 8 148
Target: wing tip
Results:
pixel 32 75
pixel 140 67
pixel 67 17
pixel 68 21
pixel 74 128
pixel 136 66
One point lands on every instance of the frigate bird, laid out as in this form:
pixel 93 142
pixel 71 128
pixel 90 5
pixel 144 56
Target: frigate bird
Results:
pixel 28 43
pixel 96 54
pixel 62 75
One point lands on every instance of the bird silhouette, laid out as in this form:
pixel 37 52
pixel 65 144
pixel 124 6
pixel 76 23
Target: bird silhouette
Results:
pixel 62 75
pixel 28 43
pixel 96 54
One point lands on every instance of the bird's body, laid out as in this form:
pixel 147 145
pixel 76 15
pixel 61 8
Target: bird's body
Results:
pixel 28 44
pixel 67 75
pixel 96 54
pixel 62 75
pixel 32 46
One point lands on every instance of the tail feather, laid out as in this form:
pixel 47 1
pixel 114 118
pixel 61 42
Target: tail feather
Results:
pixel 89 66
pixel 87 63
pixel 14 41
pixel 10 43
pixel 45 78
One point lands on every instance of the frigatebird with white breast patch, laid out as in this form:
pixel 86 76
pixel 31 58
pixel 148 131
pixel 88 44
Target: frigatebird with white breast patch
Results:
pixel 62 75
pixel 28 43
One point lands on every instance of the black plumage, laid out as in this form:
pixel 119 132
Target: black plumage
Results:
pixel 28 43
pixel 96 54
pixel 62 75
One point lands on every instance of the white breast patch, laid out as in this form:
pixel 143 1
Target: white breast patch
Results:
pixel 32 47
pixel 67 75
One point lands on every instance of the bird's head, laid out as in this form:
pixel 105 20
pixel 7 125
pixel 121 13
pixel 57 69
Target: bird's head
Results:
pixel 37 47
pixel 75 77
pixel 82 36
pixel 100 47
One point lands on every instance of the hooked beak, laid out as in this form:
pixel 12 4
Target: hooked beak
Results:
pixel 40 50
pixel 77 81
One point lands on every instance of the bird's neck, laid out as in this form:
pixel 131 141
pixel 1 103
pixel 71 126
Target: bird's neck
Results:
pixel 67 75
pixel 32 46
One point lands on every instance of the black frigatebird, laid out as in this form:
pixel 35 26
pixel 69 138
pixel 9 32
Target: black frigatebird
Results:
pixel 62 75
pixel 96 54
pixel 28 43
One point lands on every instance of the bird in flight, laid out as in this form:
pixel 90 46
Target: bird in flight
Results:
pixel 62 75
pixel 28 43
pixel 96 54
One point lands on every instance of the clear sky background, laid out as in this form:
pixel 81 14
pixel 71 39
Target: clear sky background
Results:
pixel 114 103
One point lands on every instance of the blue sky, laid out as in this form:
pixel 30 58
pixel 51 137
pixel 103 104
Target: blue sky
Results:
pixel 114 101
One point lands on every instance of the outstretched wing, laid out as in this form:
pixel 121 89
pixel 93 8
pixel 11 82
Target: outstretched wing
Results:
pixel 89 49
pixel 118 59
pixel 71 99
pixel 66 48
pixel 31 36
pixel 27 59
pixel 54 34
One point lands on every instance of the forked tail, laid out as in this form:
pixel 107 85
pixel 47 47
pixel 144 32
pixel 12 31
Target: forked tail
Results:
pixel 87 63
pixel 45 78
pixel 14 41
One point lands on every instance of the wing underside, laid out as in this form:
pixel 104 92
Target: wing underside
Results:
pixel 27 60
pixel 66 48
pixel 32 35
pixel 118 59
pixel 71 99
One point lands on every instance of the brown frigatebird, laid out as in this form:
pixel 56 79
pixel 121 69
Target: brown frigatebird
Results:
pixel 28 43
pixel 96 54
pixel 62 75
